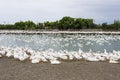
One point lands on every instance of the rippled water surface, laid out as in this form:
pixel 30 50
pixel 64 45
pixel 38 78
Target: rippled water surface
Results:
pixel 57 42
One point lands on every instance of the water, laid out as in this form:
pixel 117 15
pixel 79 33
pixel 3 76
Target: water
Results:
pixel 58 42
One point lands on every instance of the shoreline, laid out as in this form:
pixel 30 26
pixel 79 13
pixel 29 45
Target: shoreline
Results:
pixel 57 32
pixel 11 69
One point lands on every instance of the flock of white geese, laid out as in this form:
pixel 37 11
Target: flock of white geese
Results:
pixel 55 57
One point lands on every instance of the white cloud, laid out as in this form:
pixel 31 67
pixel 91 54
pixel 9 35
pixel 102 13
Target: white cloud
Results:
pixel 42 10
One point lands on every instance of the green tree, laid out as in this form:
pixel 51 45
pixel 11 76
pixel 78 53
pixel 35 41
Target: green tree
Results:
pixel 40 26
pixel 29 25
pixel 78 23
pixel 116 24
pixel 66 23
pixel 104 26
pixel 20 25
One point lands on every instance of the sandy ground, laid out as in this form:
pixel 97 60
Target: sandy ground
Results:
pixel 11 69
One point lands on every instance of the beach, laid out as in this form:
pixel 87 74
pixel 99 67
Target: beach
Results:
pixel 11 69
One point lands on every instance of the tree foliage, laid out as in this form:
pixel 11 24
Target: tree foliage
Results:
pixel 66 23
pixel 27 25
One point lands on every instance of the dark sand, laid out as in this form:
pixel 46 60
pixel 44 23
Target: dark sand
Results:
pixel 11 69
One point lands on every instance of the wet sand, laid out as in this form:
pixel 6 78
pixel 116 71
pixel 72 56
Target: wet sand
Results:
pixel 11 69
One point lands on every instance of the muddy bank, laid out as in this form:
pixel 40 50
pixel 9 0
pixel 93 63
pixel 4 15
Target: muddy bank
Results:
pixel 11 69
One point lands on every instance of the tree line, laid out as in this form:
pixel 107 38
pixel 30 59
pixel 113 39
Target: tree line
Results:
pixel 66 23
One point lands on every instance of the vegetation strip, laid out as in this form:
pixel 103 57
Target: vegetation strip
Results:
pixel 66 23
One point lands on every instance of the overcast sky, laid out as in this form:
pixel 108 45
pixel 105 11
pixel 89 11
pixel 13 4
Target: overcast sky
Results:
pixel 50 10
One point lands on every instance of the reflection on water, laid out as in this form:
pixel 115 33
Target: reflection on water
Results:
pixel 57 42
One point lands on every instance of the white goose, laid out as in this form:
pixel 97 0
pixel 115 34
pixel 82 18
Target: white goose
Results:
pixel 76 55
pixel 23 56
pixel 2 52
pixel 113 61
pixel 70 56
pixel 54 61
pixel 42 58
pixel 9 54
pixel 62 55
pixel 35 60
pixel 52 56
pixel 100 56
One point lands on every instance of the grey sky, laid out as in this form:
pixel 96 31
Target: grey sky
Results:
pixel 51 10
